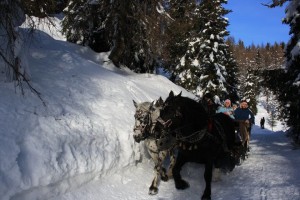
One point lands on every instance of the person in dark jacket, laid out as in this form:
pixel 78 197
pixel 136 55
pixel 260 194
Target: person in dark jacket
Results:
pixel 262 123
pixel 244 113
pixel 244 116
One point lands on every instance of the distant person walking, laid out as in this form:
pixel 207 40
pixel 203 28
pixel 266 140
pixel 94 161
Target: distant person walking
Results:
pixel 262 123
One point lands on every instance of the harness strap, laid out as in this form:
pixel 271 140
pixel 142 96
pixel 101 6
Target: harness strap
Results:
pixel 194 137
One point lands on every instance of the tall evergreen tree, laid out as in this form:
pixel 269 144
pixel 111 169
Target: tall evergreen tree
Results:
pixel 289 90
pixel 85 20
pixel 292 54
pixel 250 91
pixel 207 58
pixel 183 14
pixel 128 29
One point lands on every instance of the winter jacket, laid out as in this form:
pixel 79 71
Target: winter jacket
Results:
pixel 225 110
pixel 244 114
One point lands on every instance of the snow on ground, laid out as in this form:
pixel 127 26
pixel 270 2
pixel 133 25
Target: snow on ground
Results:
pixel 80 145
pixel 270 173
pixel 85 129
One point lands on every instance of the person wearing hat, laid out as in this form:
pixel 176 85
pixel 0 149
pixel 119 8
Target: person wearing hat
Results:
pixel 244 116
pixel 244 113
pixel 226 109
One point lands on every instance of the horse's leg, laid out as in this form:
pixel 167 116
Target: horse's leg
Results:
pixel 172 162
pixel 162 171
pixel 179 182
pixel 158 157
pixel 208 177
pixel 153 189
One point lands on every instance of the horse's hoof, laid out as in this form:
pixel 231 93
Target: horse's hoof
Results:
pixel 153 191
pixel 181 184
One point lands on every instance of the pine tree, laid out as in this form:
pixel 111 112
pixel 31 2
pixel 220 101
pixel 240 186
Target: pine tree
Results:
pixel 41 9
pixel 83 20
pixel 178 31
pixel 250 91
pixel 128 29
pixel 289 90
pixel 292 54
pixel 203 66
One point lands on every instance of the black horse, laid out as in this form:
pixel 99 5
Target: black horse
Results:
pixel 187 120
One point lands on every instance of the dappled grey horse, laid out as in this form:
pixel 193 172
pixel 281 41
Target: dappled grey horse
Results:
pixel 147 128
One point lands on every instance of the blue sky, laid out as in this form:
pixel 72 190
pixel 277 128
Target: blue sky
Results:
pixel 254 23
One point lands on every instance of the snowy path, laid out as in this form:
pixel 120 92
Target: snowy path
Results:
pixel 270 173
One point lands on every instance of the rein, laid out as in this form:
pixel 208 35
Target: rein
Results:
pixel 192 138
pixel 195 136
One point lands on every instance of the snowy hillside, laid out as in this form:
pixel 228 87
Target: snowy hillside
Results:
pixel 80 145
pixel 85 129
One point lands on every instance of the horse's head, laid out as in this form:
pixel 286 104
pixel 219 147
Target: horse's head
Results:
pixel 182 115
pixel 143 121
pixel 171 112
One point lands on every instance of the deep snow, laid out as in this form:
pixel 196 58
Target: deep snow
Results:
pixel 270 173
pixel 80 145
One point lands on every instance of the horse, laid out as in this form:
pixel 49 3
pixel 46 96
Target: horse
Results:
pixel 146 128
pixel 186 120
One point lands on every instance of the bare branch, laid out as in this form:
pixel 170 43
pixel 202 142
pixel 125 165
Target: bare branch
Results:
pixel 275 3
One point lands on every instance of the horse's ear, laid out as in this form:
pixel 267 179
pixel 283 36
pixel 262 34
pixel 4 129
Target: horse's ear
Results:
pixel 134 103
pixel 159 101
pixel 151 106
pixel 152 103
pixel 171 94
pixel 179 95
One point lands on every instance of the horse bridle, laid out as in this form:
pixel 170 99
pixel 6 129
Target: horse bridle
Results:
pixel 192 138
pixel 138 115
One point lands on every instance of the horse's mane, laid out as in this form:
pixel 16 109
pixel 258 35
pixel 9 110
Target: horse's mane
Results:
pixel 194 116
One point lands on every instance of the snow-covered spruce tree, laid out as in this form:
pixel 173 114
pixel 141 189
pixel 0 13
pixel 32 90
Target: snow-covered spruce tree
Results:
pixel 232 75
pixel 292 91
pixel 128 29
pixel 179 30
pixel 85 23
pixel 250 91
pixel 40 9
pixel 140 32
pixel 207 57
pixel 289 90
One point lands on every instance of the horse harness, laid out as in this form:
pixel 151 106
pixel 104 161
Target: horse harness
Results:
pixel 162 140
pixel 197 136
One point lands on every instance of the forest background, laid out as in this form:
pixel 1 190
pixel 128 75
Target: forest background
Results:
pixel 187 41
